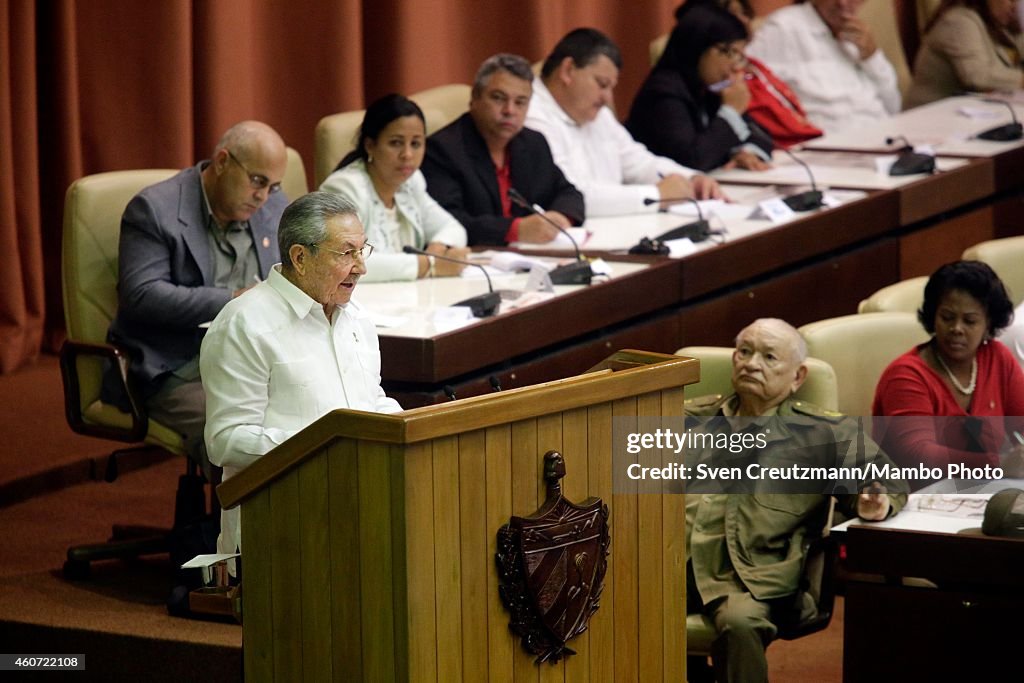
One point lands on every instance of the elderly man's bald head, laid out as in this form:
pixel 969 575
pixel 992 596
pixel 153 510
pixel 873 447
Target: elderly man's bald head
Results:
pixel 768 364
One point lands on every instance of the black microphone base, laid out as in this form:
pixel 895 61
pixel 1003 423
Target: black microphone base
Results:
pixel 698 231
pixel 1010 131
pixel 575 273
pixel 482 305
pixel 805 201
pixel 912 163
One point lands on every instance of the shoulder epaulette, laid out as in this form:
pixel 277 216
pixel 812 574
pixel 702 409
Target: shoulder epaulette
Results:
pixel 813 410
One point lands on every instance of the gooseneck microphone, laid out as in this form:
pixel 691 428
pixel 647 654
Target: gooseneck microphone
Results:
pixel 697 231
pixel 482 305
pixel 449 391
pixel 804 201
pixel 910 162
pixel 577 273
pixel 1005 132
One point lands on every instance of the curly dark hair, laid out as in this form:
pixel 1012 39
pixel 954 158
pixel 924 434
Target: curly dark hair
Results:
pixel 974 278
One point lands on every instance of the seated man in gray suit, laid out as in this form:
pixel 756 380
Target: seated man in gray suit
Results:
pixel 188 245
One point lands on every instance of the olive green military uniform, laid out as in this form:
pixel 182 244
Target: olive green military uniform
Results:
pixel 747 550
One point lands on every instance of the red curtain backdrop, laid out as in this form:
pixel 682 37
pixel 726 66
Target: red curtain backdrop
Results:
pixel 98 85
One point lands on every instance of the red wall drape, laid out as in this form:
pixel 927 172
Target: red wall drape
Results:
pixel 98 85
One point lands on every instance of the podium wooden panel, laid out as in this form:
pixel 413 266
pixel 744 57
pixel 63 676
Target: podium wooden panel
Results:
pixel 370 539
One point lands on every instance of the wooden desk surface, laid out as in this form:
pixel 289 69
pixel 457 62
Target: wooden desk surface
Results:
pixel 966 558
pixel 814 266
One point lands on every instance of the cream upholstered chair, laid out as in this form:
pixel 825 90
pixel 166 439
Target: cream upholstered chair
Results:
pixel 716 376
pixel 92 219
pixel 859 347
pixel 880 15
pixel 1006 256
pixel 294 182
pixel 656 47
pixel 335 137
pixel 905 296
pixel 443 104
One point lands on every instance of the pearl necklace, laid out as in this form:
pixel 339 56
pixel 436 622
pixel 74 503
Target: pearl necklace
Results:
pixel 969 389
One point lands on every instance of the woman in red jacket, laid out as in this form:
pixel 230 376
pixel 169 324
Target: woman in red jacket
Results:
pixel 772 104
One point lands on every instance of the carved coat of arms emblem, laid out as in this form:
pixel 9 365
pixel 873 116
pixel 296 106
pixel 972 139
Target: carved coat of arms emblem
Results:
pixel 551 565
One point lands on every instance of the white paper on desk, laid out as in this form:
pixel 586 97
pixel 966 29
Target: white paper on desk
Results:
pixel 200 561
pixel 451 318
pixel 681 247
pixel 713 207
pixel 527 299
pixel 580 234
pixel 384 320
pixel 980 112
pixel 599 266
pixel 916 521
pixel 510 261
pixel 478 274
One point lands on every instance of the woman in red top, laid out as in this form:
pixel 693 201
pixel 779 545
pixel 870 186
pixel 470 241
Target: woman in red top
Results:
pixel 963 373
pixel 773 105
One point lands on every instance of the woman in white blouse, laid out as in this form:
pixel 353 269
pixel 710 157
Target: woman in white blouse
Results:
pixel 381 177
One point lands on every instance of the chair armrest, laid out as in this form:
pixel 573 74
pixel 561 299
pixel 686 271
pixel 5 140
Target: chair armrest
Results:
pixel 70 352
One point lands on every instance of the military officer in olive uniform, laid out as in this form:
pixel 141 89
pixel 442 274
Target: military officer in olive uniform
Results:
pixel 746 551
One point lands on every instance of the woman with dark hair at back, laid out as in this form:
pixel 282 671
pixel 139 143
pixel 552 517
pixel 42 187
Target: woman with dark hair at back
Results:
pixel 968 45
pixel 692 106
pixel 773 104
pixel 382 178
pixel 962 372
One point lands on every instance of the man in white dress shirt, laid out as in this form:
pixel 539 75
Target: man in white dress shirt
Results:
pixel 596 153
pixel 294 347
pixel 829 57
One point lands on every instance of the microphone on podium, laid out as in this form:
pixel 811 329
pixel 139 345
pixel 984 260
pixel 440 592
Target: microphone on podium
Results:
pixel 804 201
pixel 576 273
pixel 1005 132
pixel 482 305
pixel 910 162
pixel 697 231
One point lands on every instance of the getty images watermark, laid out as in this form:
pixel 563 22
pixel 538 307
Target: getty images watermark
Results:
pixel 794 455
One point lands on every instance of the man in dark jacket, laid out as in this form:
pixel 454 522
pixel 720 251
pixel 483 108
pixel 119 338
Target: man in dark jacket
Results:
pixel 472 164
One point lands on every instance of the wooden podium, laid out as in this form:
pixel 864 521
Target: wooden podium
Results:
pixel 369 550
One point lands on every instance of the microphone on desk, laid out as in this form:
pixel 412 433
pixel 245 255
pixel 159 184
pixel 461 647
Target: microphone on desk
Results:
pixel 577 273
pixel 910 162
pixel 697 231
pixel 482 305
pixel 804 201
pixel 1005 132
pixel 495 382
pixel 449 391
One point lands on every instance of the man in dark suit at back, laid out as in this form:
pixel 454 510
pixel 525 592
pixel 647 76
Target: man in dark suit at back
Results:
pixel 472 163
pixel 188 245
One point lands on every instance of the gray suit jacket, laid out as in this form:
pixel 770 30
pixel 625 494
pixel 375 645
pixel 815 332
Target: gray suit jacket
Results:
pixel 166 275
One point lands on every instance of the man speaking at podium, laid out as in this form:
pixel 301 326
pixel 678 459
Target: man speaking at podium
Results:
pixel 294 347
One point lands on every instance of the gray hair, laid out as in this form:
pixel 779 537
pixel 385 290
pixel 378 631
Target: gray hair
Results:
pixel 305 221
pixel 799 343
pixel 514 64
